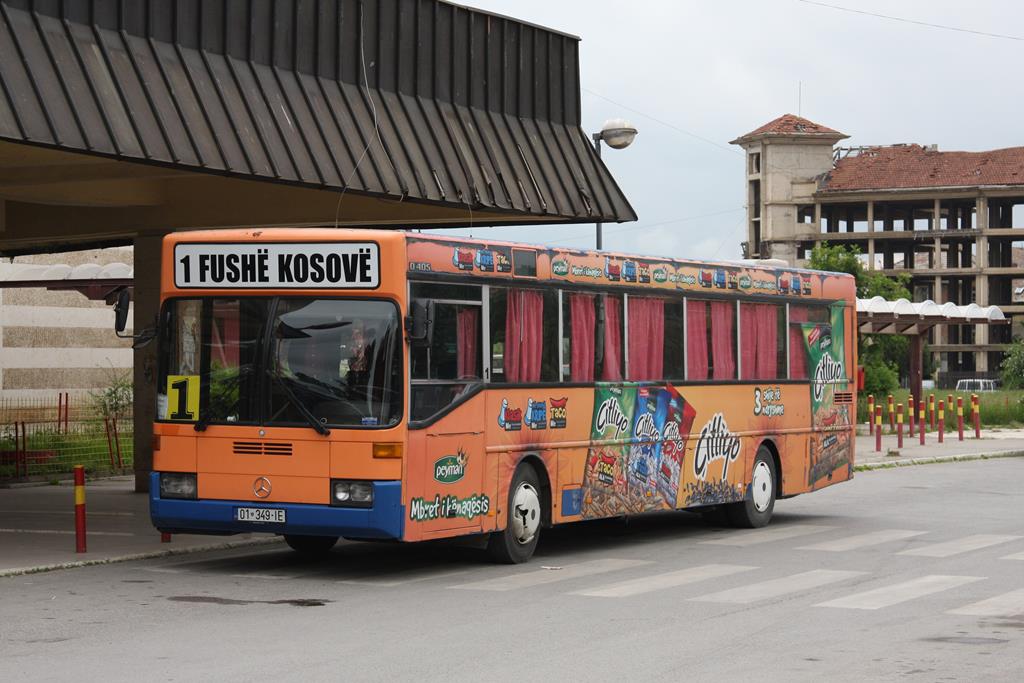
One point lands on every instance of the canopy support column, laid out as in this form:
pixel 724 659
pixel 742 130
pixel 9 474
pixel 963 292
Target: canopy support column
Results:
pixel 915 382
pixel 146 298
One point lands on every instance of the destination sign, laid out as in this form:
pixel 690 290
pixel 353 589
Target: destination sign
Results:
pixel 290 265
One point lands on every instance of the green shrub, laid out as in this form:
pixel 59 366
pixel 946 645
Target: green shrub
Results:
pixel 880 379
pixel 1013 366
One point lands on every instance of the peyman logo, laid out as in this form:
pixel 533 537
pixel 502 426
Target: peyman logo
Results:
pixel 560 268
pixel 451 468
pixel 660 275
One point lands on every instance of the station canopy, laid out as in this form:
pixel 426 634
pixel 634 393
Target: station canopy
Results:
pixel 128 118
pixel 880 316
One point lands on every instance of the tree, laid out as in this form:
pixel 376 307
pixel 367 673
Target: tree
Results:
pixel 1013 366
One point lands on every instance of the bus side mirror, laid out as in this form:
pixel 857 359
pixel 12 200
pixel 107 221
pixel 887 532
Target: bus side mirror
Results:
pixel 419 324
pixel 124 299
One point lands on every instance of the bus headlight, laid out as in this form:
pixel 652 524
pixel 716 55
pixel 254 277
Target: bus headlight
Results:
pixel 177 485
pixel 350 493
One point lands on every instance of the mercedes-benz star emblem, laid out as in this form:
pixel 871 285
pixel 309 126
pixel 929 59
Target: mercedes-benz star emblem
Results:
pixel 261 487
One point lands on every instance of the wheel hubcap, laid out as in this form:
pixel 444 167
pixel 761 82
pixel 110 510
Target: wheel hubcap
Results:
pixel 525 513
pixel 761 484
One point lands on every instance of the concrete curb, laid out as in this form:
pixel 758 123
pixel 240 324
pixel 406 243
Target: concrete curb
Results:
pixel 936 459
pixel 23 571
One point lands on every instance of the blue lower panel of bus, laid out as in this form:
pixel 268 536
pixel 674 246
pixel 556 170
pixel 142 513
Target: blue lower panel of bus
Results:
pixel 383 520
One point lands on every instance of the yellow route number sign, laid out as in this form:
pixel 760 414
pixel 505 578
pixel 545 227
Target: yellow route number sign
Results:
pixel 182 397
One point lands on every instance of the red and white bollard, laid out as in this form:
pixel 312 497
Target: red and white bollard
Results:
pixel 920 421
pixel 899 425
pixel 942 420
pixel 892 415
pixel 79 509
pixel 878 429
pixel 871 414
pixel 910 414
pixel 976 414
pixel 960 417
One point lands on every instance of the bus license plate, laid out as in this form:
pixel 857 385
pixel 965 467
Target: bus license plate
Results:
pixel 274 515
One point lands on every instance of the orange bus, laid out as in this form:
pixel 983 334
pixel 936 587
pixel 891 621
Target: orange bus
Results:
pixel 323 383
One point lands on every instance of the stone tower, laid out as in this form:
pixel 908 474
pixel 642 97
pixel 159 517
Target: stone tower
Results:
pixel 784 159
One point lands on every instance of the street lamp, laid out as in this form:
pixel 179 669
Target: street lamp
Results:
pixel 617 134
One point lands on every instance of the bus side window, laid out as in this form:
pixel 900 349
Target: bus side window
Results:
pixel 798 315
pixel 578 334
pixel 675 342
pixel 524 334
pixel 609 338
pixel 763 341
pixel 711 339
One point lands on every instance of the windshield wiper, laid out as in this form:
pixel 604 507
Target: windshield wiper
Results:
pixel 303 410
pixel 203 422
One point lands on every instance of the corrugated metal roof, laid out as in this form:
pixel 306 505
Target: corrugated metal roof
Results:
pixel 411 99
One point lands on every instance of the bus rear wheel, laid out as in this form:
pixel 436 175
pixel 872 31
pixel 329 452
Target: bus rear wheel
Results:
pixel 756 510
pixel 311 546
pixel 517 541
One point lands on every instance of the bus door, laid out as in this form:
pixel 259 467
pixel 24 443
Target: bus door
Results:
pixel 453 492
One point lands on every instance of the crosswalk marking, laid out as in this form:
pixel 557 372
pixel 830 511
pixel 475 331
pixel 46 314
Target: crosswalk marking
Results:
pixel 863 540
pixel 777 533
pixel 960 545
pixel 648 584
pixel 402 578
pixel 774 588
pixel 900 592
pixel 544 576
pixel 1006 605
pixel 268 577
pixel 1015 556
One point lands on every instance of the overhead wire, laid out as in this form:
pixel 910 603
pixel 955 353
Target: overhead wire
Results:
pixel 916 22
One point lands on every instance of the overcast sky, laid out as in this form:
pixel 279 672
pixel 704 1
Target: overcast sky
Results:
pixel 719 68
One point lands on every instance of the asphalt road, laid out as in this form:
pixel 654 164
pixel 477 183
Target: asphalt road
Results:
pixel 908 574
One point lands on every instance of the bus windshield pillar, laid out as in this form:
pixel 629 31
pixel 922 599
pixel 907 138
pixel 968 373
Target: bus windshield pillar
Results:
pixel 146 302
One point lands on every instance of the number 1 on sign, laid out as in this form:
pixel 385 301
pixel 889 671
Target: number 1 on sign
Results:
pixel 182 397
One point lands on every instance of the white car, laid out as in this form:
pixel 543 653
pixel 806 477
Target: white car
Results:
pixel 974 385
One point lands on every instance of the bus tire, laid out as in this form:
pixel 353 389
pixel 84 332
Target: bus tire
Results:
pixel 523 516
pixel 756 509
pixel 310 546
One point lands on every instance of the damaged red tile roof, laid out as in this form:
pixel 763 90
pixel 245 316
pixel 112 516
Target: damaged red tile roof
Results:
pixel 791 124
pixel 911 166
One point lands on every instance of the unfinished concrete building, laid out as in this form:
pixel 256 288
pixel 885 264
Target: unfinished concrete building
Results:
pixel 953 220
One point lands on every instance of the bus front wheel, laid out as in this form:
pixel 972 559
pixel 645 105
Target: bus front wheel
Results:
pixel 310 546
pixel 756 510
pixel 517 541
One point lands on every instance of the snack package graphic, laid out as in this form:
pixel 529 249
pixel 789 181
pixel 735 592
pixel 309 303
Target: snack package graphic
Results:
pixel 679 417
pixel 645 452
pixel 604 478
pixel 830 442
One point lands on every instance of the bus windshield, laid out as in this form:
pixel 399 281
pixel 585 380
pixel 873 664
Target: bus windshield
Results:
pixel 281 362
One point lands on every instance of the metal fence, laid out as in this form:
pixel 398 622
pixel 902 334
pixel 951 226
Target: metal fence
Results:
pixel 46 438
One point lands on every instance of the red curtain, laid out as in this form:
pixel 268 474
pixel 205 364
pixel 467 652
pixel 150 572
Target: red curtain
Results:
pixel 524 318
pixel 581 341
pixel 467 336
pixel 723 352
pixel 748 341
pixel 768 344
pixel 696 340
pixel 797 352
pixel 646 338
pixel 759 341
pixel 611 370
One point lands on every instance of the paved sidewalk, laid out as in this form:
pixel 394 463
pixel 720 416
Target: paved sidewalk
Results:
pixel 994 443
pixel 37 525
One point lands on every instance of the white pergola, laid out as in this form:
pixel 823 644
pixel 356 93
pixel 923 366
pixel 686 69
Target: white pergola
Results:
pixel 912 320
